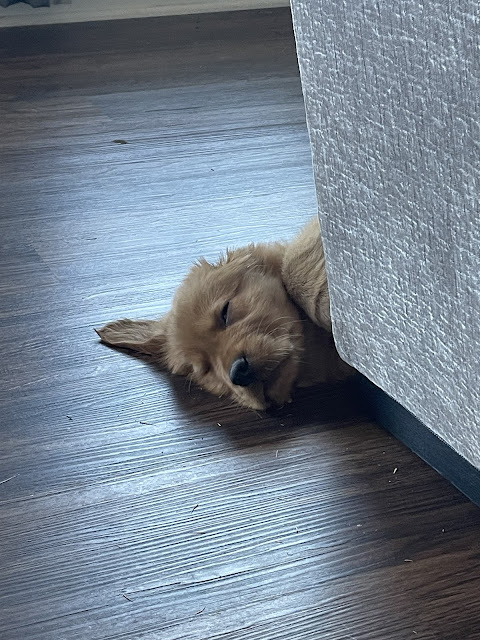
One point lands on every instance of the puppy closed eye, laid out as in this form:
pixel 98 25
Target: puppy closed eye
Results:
pixel 225 315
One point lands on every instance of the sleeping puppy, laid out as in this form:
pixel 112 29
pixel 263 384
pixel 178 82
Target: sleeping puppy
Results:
pixel 252 326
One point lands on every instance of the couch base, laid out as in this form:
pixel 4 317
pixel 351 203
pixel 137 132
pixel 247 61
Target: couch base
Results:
pixel 421 440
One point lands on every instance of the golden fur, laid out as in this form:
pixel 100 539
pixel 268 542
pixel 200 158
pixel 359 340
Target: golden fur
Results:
pixel 265 304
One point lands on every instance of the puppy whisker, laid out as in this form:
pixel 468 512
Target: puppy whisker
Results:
pixel 288 319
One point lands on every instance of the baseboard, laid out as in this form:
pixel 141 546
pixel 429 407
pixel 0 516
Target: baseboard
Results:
pixel 421 440
pixel 64 11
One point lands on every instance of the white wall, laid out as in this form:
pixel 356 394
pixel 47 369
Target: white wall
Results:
pixel 88 10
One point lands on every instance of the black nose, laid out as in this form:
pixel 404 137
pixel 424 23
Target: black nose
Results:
pixel 242 373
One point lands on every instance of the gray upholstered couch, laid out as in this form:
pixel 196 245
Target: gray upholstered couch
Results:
pixel 392 98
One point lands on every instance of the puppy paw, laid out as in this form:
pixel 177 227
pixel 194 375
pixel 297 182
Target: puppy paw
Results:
pixel 280 391
pixel 279 396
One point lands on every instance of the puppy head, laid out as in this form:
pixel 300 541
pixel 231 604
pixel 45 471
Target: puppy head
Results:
pixel 232 329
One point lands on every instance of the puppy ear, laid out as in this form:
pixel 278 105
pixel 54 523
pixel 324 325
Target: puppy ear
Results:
pixel 144 336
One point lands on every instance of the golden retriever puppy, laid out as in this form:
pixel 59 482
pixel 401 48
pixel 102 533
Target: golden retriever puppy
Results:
pixel 252 326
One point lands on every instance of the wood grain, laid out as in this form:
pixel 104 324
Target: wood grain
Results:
pixel 66 11
pixel 133 506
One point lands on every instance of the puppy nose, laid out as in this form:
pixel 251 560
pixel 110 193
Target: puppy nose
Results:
pixel 242 373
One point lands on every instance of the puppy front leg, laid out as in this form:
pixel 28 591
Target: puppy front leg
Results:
pixel 280 392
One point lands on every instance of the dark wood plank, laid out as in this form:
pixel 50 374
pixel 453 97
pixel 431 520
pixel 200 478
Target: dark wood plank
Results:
pixel 133 506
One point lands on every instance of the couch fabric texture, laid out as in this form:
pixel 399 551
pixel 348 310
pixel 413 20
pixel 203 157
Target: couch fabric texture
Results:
pixel 392 99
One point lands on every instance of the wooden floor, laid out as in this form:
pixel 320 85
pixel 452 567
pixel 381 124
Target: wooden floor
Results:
pixel 133 506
